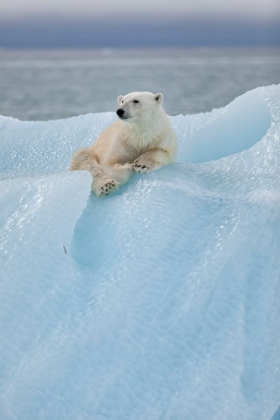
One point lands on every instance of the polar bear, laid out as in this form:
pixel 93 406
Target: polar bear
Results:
pixel 140 141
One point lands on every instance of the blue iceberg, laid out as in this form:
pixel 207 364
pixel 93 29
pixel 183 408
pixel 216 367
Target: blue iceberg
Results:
pixel 161 301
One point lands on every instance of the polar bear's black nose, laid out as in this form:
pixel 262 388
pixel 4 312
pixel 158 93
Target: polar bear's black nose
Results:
pixel 120 112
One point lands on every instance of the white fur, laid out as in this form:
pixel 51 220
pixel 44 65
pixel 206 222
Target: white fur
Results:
pixel 140 141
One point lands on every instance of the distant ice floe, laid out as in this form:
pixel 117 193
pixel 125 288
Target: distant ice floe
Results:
pixel 161 301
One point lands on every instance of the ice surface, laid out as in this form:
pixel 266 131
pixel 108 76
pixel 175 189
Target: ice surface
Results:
pixel 158 302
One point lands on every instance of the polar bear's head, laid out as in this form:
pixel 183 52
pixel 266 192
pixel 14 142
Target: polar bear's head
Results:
pixel 137 106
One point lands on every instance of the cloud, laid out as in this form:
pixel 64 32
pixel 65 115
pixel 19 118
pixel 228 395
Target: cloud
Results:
pixel 88 33
pixel 63 8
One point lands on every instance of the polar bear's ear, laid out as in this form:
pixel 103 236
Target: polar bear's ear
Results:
pixel 158 97
pixel 119 99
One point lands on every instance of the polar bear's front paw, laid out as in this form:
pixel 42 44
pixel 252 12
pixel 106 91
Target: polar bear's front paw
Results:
pixel 107 188
pixel 141 167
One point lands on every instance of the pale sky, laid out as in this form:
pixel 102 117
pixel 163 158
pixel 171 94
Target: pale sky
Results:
pixel 263 9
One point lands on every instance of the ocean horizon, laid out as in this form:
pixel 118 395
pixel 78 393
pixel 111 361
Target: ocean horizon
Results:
pixel 55 84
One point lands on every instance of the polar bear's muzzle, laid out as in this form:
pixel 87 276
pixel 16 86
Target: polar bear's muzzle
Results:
pixel 121 114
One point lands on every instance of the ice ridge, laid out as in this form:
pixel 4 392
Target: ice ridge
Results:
pixel 158 302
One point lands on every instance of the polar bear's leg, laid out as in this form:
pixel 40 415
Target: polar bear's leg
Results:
pixel 102 184
pixel 121 173
pixel 111 178
pixel 85 159
pixel 151 160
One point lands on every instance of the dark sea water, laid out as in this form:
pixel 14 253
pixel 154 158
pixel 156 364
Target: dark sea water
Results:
pixel 45 85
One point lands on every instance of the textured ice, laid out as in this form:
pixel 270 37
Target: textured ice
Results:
pixel 161 301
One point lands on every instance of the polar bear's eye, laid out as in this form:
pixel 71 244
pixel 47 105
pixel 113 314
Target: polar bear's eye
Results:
pixel 135 101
